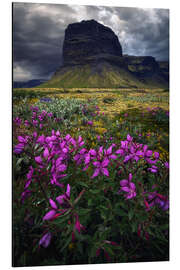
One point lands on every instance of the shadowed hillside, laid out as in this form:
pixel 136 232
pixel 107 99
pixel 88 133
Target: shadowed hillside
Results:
pixel 92 57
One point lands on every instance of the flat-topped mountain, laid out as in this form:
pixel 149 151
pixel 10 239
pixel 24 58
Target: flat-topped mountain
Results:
pixel 89 39
pixel 93 57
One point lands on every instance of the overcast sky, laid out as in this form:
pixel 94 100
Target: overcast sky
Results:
pixel 38 34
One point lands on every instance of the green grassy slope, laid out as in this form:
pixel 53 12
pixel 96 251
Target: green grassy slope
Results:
pixel 98 76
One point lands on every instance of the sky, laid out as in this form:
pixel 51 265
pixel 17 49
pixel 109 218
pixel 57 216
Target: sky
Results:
pixel 38 34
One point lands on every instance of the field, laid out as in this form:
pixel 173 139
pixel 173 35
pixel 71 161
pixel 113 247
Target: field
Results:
pixel 90 176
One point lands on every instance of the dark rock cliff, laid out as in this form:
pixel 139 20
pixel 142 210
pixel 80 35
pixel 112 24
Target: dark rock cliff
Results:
pixel 92 57
pixel 89 39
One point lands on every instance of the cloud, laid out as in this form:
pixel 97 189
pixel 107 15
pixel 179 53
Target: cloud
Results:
pixel 38 33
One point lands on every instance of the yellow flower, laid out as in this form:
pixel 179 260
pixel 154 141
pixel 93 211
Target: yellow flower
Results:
pixel 71 245
pixel 100 130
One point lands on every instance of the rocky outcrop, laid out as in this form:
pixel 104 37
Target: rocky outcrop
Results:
pixel 87 41
pixel 92 57
pixel 164 69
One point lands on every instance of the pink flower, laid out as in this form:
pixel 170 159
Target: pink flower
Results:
pixel 45 240
pixel 46 153
pixel 101 168
pixel 129 187
pixel 166 164
pixel 65 197
pixel 78 225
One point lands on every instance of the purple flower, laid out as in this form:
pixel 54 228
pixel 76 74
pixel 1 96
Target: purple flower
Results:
pixel 80 156
pixel 65 197
pixel 35 123
pixel 46 153
pixel 129 187
pixel 153 169
pixel 63 200
pixel 41 139
pixel 156 155
pixel 56 171
pixel 35 109
pixel 147 153
pixel 166 164
pixel 120 152
pixel 129 138
pixel 50 114
pixel 26 123
pixel 29 177
pixel 45 240
pixel 108 153
pixel 38 159
pixel 101 168
pixel 155 198
pixel 23 140
pixel 78 225
pixel 22 143
pixel 80 141
pixel 90 123
pixel 17 121
pixel 49 215
pixel 19 148
pixel 25 194
pixel 163 203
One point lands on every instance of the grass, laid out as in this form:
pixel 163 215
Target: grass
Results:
pixel 122 98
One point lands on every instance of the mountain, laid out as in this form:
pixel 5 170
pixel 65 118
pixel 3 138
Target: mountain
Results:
pixel 93 57
pixel 27 84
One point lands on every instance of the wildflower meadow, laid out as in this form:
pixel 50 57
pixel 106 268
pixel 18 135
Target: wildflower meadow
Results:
pixel 90 187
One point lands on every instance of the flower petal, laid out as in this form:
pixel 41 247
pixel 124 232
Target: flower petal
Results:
pixel 109 150
pixel 46 153
pixel 124 183
pixel 60 199
pixel 49 215
pixel 120 151
pixel 96 164
pixel 105 171
pixel 38 159
pixel 130 176
pixel 132 186
pixel 61 168
pixel 45 240
pixel 105 162
pixel 113 156
pixel 126 189
pixel 52 203
pixel 96 173
pixel 68 190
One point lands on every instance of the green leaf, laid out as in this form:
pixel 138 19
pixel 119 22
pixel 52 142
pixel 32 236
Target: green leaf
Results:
pixel 83 211
pixel 61 219
pixel 19 161
pixel 94 191
pixel 109 250
pixel 89 202
pixel 130 214
pixel 120 212
pixel 134 227
pixel 82 184
pixel 69 240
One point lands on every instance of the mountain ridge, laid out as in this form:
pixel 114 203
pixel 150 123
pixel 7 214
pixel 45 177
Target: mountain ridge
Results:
pixel 93 57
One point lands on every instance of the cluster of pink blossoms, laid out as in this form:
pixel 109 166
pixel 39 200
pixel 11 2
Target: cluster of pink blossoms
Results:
pixel 52 155
pixel 57 152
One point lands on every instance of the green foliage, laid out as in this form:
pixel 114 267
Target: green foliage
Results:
pixel 108 100
pixel 107 216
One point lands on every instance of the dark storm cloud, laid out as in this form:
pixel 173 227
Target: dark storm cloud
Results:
pixel 38 33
